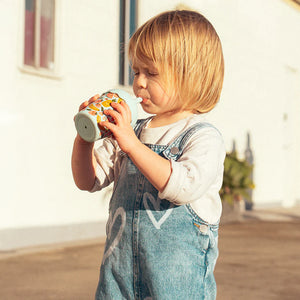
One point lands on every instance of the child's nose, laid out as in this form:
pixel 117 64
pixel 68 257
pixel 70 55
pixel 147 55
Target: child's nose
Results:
pixel 141 81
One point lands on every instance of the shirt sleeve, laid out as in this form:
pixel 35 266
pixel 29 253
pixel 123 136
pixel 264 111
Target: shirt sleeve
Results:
pixel 108 163
pixel 198 170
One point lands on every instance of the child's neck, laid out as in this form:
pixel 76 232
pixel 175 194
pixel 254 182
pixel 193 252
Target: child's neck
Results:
pixel 167 119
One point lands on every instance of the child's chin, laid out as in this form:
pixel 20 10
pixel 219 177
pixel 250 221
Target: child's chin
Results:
pixel 146 107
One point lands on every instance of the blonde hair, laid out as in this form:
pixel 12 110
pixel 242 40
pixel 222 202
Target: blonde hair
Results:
pixel 187 51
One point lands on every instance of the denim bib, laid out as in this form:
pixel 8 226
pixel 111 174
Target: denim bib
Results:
pixel 155 249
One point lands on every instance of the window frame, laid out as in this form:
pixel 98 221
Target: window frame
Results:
pixel 37 69
pixel 128 24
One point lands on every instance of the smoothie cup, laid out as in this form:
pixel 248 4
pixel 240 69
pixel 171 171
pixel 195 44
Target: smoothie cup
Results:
pixel 86 121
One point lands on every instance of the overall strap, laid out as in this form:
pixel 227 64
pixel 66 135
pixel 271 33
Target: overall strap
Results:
pixel 175 149
pixel 140 125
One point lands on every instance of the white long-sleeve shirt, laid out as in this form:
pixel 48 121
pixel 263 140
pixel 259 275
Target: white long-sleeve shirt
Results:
pixel 196 176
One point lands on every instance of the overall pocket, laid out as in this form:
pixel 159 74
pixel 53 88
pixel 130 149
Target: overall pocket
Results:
pixel 207 233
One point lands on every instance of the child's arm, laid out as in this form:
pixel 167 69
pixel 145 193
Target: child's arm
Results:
pixel 154 167
pixel 83 164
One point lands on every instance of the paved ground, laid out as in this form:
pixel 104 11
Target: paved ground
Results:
pixel 259 259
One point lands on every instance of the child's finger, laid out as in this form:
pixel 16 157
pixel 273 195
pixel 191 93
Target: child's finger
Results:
pixel 114 114
pixel 123 109
pixel 83 105
pixel 88 102
pixel 126 107
pixel 94 98
pixel 118 107
pixel 107 125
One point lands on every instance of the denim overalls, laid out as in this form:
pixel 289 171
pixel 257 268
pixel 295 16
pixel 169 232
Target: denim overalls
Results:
pixel 155 249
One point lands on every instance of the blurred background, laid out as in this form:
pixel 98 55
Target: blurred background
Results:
pixel 55 54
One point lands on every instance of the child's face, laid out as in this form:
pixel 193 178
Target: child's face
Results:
pixel 148 85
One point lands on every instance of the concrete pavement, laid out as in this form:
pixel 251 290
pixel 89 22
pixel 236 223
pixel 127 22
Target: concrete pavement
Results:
pixel 259 259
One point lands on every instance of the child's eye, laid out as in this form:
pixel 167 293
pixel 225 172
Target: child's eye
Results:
pixel 150 73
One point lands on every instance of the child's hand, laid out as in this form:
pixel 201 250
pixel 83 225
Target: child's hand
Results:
pixel 86 103
pixel 122 130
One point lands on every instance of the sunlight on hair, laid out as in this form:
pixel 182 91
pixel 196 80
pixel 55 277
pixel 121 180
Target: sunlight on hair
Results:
pixel 188 53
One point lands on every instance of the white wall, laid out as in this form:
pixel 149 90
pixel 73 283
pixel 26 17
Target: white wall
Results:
pixel 36 115
pixel 261 95
pixel 261 87
pixel 260 91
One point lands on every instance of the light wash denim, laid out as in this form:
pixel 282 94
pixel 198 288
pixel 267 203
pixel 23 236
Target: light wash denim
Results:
pixel 155 249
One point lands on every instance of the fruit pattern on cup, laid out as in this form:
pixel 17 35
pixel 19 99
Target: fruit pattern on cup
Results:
pixel 97 108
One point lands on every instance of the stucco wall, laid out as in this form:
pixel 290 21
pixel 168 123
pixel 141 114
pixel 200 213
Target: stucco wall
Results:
pixel 36 115
pixel 261 89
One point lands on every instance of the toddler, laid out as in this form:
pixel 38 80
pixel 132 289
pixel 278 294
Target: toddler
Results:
pixel 162 232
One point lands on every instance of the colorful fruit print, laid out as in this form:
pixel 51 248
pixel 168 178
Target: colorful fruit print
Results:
pixel 112 95
pixel 106 103
pixel 92 112
pixel 103 103
pixel 92 106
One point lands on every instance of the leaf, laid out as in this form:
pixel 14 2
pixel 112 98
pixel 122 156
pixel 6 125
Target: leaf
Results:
pixel 237 179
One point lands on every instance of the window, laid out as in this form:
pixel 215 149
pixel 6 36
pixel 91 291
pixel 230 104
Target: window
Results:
pixel 39 34
pixel 128 23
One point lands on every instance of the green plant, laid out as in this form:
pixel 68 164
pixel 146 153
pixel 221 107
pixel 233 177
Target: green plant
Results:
pixel 237 179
